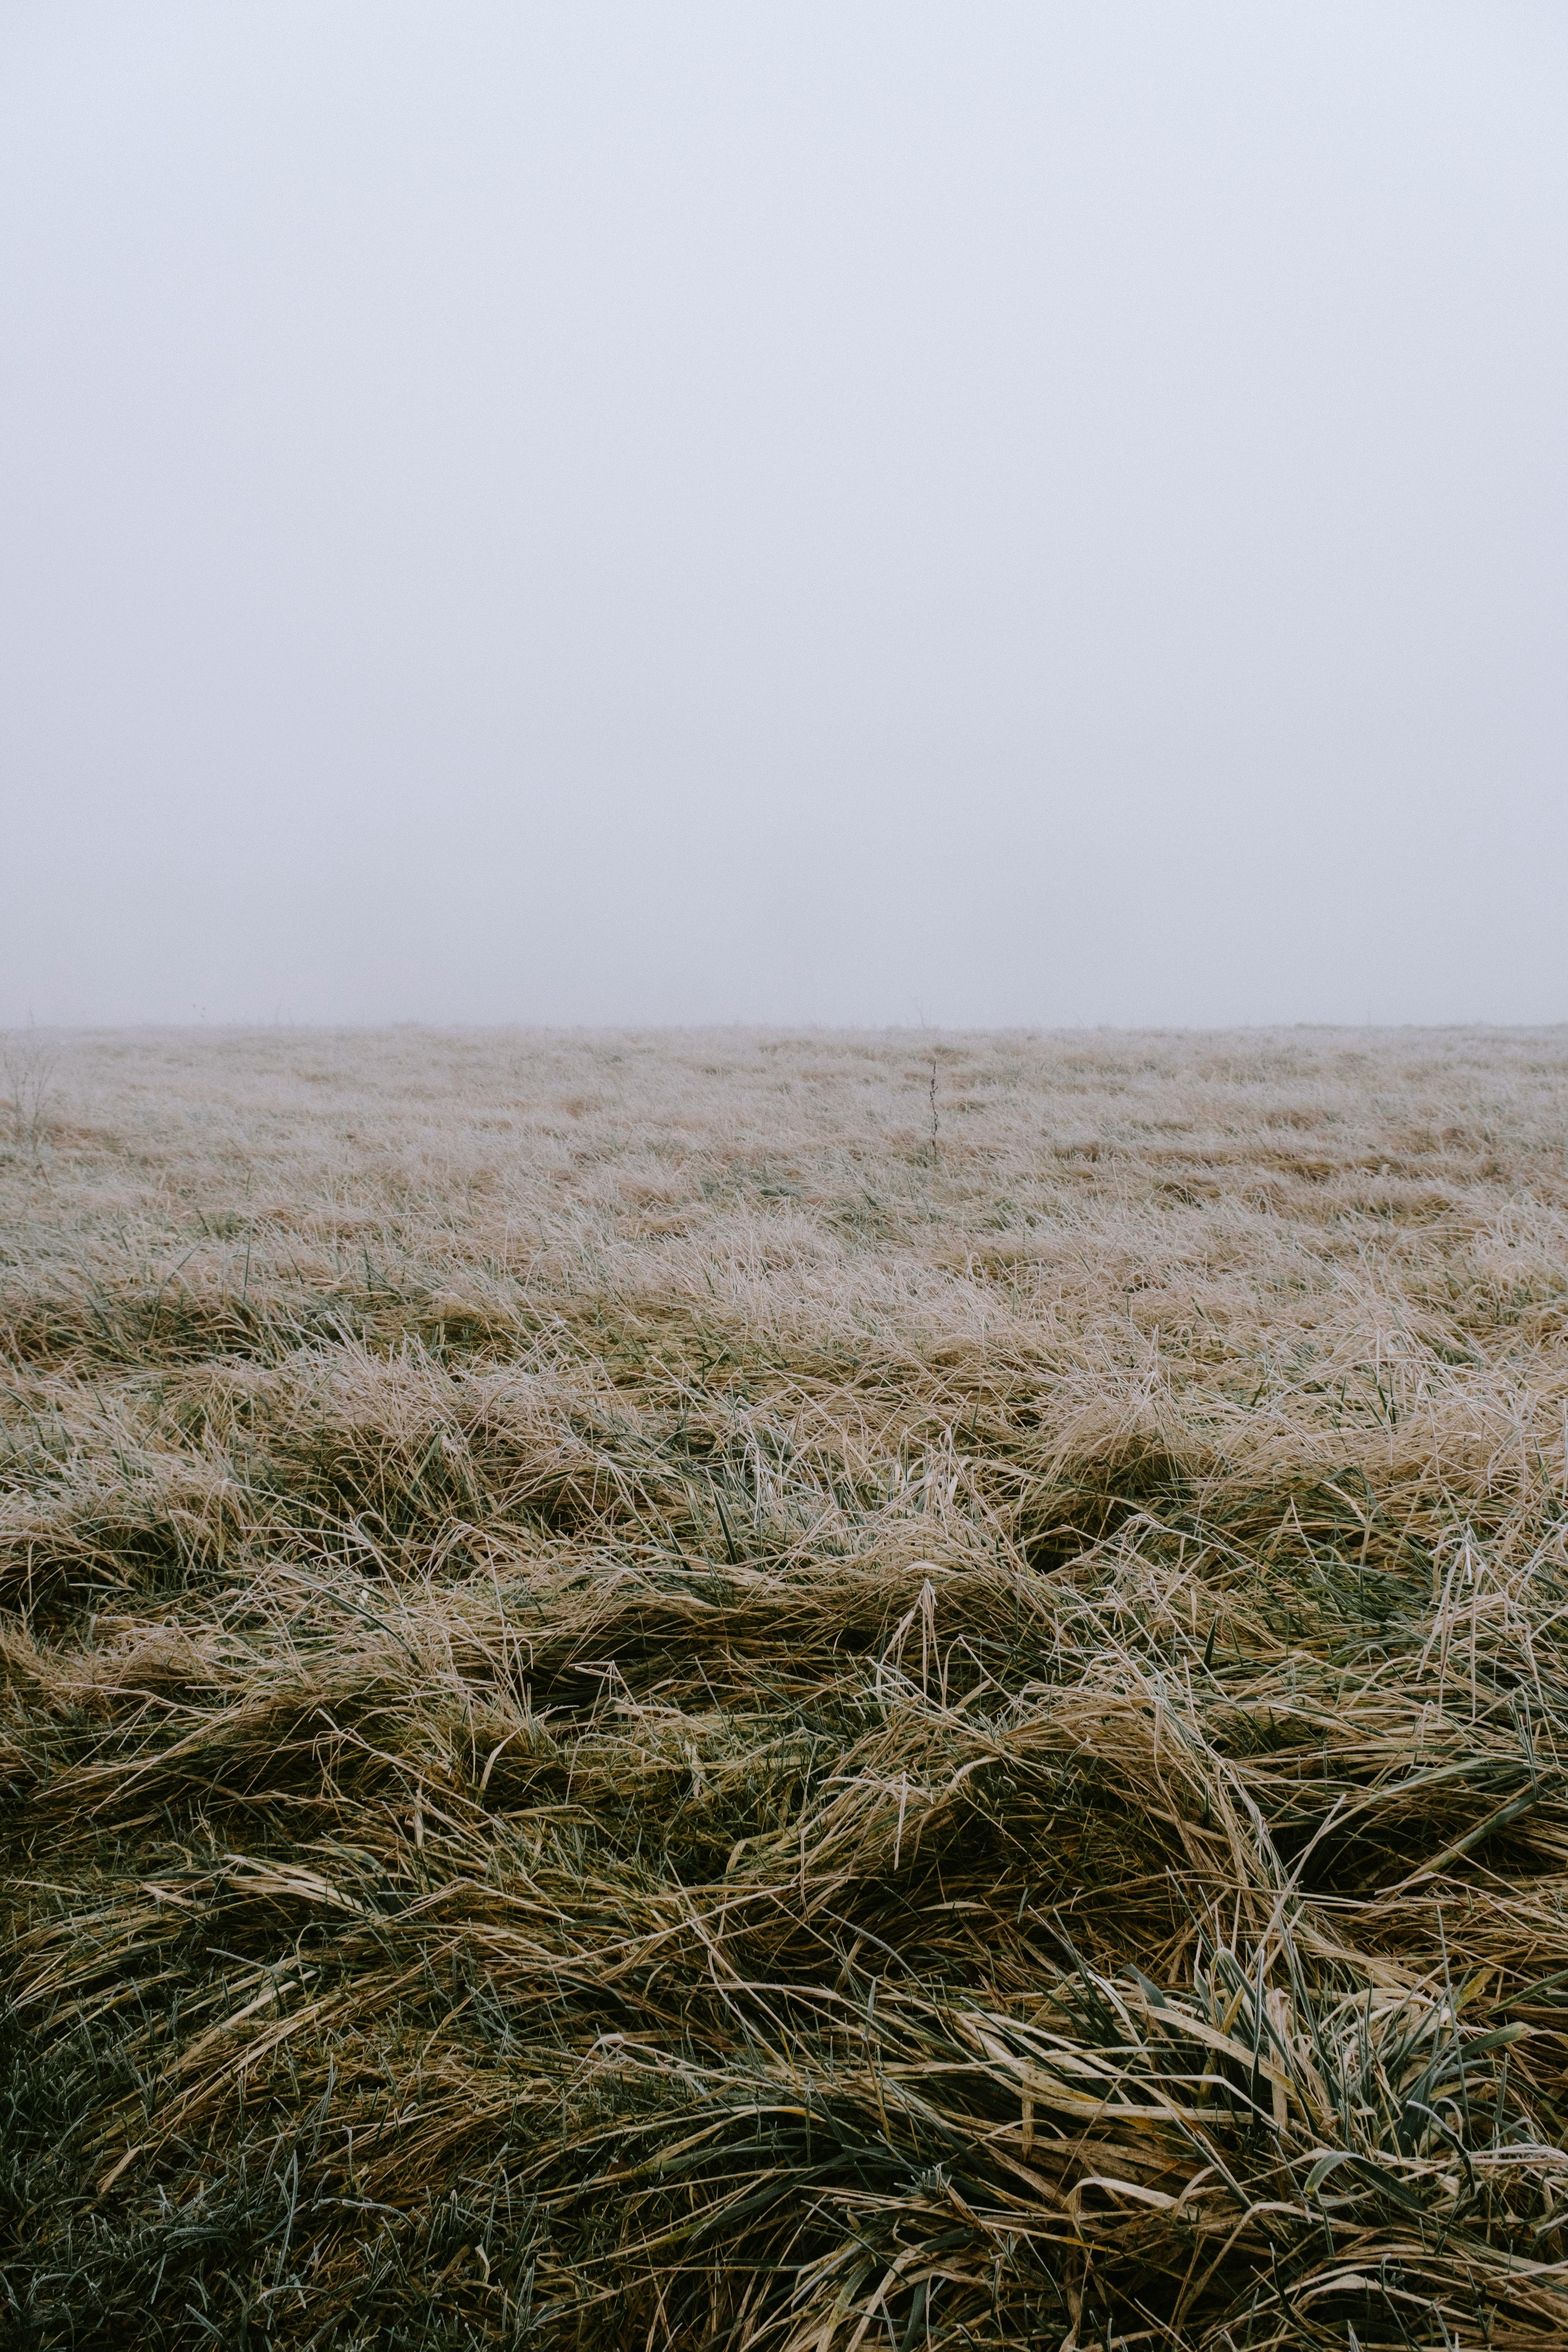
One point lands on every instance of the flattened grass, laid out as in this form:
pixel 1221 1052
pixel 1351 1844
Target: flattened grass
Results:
pixel 641 1712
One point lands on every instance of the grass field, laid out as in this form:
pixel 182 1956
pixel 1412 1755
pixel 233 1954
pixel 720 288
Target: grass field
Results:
pixel 785 1692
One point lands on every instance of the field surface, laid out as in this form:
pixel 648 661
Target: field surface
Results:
pixel 784 1693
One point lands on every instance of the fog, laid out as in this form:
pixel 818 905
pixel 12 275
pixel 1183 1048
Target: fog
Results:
pixel 1038 514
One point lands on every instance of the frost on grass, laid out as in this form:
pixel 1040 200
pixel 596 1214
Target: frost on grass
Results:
pixel 771 1692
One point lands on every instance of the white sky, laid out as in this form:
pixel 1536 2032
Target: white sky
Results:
pixel 1040 513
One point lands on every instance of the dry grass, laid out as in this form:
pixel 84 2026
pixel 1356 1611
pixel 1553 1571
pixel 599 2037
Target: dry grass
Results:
pixel 695 1692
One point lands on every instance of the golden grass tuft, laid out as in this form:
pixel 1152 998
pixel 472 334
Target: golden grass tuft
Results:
pixel 784 1693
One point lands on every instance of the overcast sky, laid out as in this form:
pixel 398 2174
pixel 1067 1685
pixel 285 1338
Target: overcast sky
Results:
pixel 973 513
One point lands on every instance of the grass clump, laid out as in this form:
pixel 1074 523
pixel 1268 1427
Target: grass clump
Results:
pixel 645 1708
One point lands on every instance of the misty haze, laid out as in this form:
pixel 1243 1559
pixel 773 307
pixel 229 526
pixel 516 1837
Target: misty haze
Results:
pixel 1029 515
